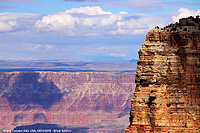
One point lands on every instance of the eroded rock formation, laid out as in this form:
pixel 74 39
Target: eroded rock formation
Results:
pixel 167 94
pixel 63 97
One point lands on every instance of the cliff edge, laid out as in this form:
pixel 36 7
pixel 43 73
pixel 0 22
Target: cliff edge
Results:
pixel 167 94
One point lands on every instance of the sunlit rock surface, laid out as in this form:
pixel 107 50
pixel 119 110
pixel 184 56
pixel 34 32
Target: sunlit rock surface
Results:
pixel 167 94
pixel 63 98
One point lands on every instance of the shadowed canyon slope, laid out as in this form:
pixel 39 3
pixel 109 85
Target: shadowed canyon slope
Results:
pixel 63 98
pixel 167 94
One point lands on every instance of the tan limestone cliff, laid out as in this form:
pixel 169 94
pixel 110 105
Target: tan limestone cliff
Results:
pixel 167 94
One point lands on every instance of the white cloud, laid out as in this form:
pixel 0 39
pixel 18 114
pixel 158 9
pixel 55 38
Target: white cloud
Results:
pixel 94 10
pixel 184 12
pixel 93 21
pixel 43 47
pixel 83 18
pixel 87 21
pixel 9 21
pixel 57 22
pixel 83 21
pixel 7 26
pixel 117 55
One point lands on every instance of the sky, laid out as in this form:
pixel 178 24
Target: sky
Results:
pixel 86 30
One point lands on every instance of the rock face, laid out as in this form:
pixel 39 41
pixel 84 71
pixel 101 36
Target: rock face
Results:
pixel 63 97
pixel 167 94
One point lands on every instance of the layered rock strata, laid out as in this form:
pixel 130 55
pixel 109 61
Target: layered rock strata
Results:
pixel 63 97
pixel 167 94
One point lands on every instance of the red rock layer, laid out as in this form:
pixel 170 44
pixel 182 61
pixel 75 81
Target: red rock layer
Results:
pixel 167 94
pixel 63 97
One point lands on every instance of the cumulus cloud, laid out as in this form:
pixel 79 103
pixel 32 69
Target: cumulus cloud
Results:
pixel 57 22
pixel 7 26
pixel 88 21
pixel 94 10
pixel 83 21
pixel 93 21
pixel 11 21
pixel 74 19
pixel 184 12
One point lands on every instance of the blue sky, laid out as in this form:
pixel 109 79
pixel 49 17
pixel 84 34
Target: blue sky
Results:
pixel 87 30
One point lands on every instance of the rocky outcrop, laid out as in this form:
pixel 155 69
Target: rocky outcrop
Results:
pixel 63 97
pixel 167 94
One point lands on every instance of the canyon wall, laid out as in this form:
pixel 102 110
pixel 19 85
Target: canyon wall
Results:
pixel 63 97
pixel 167 94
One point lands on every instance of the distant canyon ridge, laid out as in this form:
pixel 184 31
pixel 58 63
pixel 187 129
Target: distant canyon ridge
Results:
pixel 78 98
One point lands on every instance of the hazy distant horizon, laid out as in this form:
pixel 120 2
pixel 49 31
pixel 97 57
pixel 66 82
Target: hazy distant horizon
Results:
pixel 101 59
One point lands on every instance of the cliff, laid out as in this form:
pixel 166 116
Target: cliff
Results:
pixel 167 94
pixel 63 98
